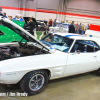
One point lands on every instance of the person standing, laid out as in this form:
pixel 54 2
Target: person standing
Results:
pixel 77 28
pixel 10 17
pixel 21 19
pixel 54 23
pixel 16 18
pixel 50 22
pixel 80 28
pixel 67 22
pixel 31 25
pixel 88 26
pixel 4 15
pixel 71 28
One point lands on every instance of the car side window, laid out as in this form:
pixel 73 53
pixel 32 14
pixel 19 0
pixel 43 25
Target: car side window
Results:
pixel 96 47
pixel 83 46
pixel 1 33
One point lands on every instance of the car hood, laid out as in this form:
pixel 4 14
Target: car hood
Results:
pixel 26 34
pixel 21 24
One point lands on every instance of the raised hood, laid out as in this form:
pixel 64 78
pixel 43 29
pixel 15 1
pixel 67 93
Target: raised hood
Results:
pixel 22 32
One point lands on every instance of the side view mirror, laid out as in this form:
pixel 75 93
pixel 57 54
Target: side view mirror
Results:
pixel 77 51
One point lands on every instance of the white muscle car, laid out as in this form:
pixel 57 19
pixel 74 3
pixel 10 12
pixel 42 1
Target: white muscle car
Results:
pixel 60 28
pixel 32 63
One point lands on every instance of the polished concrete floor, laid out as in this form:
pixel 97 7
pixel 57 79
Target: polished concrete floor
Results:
pixel 80 87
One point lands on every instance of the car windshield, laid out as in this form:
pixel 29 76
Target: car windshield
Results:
pixel 57 42
pixel 62 25
pixel 58 24
pixel 65 25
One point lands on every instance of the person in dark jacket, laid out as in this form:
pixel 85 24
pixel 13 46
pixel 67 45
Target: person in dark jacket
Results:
pixel 32 25
pixel 71 28
pixel 54 23
pixel 4 15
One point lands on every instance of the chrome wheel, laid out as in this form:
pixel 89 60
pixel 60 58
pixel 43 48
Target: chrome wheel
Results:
pixel 36 82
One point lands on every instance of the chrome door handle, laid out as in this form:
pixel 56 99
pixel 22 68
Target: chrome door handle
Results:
pixel 94 56
pixel 73 54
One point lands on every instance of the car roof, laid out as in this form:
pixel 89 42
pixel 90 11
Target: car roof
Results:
pixel 64 34
pixel 95 39
pixel 79 37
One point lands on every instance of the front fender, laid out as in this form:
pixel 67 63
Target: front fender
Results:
pixel 13 70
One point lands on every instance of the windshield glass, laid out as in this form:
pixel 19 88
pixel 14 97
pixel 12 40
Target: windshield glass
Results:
pixel 62 25
pixel 57 42
pixel 58 24
pixel 65 25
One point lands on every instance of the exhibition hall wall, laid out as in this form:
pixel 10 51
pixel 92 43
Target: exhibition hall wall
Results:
pixel 84 11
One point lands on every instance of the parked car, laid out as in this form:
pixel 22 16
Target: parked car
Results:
pixel 26 26
pixel 21 24
pixel 60 27
pixel 41 26
pixel 32 63
pixel 7 35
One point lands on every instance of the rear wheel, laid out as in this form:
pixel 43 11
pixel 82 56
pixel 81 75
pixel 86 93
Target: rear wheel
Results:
pixel 34 82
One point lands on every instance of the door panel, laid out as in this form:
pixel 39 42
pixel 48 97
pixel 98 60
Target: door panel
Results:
pixel 80 63
pixel 82 58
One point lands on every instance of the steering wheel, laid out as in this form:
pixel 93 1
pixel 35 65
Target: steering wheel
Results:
pixel 65 45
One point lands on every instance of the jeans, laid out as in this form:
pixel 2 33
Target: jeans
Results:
pixel 82 32
pixel 77 31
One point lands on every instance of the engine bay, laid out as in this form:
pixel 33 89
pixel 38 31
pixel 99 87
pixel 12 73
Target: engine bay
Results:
pixel 20 50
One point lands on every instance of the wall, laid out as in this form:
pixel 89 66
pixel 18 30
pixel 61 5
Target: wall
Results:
pixel 88 7
pixel 42 7
pixel 28 8
pixel 9 3
pixel 84 11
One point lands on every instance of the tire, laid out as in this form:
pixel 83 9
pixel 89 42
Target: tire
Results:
pixel 34 82
pixel 98 71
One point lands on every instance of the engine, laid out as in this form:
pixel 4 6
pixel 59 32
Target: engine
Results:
pixel 9 52
pixel 19 51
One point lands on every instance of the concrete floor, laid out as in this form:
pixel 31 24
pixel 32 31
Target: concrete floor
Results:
pixel 80 87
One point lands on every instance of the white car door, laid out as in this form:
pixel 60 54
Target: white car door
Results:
pixel 82 58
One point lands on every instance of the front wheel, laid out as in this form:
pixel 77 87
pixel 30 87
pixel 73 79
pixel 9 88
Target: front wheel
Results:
pixel 34 82
pixel 98 71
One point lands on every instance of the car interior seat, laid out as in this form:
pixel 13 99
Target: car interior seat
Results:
pixel 75 47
